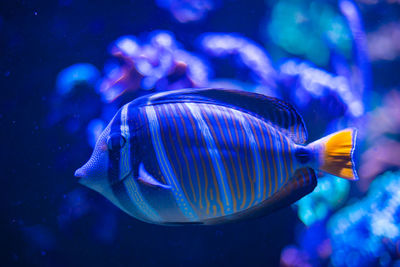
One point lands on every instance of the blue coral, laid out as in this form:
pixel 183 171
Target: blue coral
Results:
pixel 368 230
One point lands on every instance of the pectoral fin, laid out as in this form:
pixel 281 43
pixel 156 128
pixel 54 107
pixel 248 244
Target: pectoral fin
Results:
pixel 148 179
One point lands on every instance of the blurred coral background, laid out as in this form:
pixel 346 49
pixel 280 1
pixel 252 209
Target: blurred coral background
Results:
pixel 67 66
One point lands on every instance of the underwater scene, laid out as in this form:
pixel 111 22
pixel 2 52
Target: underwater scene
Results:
pixel 200 133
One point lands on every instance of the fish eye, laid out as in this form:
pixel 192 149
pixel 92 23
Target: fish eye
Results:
pixel 116 141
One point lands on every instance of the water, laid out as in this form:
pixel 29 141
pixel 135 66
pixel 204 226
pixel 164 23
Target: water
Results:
pixel 67 66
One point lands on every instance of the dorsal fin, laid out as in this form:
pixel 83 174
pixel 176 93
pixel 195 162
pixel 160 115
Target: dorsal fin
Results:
pixel 279 113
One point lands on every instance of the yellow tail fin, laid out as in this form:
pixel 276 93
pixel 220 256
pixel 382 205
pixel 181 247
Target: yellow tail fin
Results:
pixel 335 153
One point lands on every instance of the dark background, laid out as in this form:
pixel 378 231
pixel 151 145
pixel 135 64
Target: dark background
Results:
pixel 40 38
pixel 47 219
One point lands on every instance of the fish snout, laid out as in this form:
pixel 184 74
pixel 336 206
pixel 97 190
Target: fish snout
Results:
pixel 80 173
pixel 95 168
pixel 85 171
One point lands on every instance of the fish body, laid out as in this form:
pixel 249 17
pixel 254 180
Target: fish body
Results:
pixel 206 156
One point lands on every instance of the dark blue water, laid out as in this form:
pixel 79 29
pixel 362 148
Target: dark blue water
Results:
pixel 66 66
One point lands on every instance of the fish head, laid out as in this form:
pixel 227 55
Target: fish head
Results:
pixel 110 160
pixel 94 173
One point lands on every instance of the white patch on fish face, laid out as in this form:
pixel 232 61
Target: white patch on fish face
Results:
pixel 125 166
pixel 144 211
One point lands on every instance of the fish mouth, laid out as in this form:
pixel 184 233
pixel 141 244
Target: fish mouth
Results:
pixel 80 173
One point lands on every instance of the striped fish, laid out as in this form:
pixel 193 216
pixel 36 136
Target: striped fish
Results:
pixel 209 156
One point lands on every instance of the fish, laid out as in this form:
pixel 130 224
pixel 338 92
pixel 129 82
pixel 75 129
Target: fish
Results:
pixel 211 156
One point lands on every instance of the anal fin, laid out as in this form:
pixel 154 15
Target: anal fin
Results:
pixel 302 183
